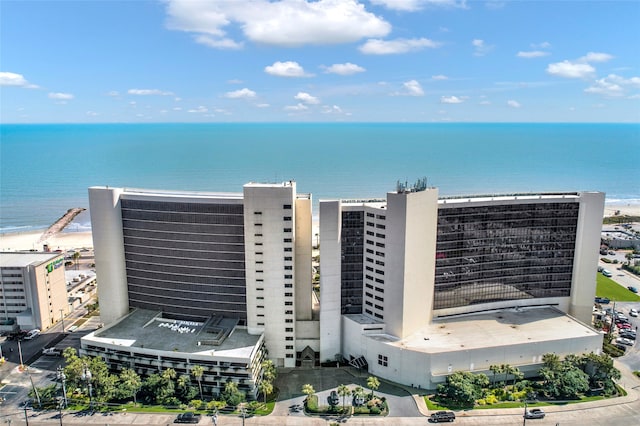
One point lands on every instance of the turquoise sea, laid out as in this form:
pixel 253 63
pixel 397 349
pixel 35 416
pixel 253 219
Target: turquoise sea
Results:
pixel 46 169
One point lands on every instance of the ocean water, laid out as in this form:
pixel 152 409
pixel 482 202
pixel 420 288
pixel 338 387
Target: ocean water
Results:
pixel 46 169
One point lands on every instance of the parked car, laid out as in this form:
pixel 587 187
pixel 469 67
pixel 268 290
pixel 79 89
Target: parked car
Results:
pixel 442 416
pixel 602 300
pixel 623 325
pixel 627 335
pixel 536 413
pixel 624 341
pixel 188 417
pixel 633 312
pixel 607 273
pixel 632 289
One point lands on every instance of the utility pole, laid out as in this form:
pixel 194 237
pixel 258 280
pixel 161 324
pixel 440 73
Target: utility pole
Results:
pixel 62 319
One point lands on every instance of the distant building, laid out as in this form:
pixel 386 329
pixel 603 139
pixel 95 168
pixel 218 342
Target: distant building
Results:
pixel 232 263
pixel 33 292
pixel 405 281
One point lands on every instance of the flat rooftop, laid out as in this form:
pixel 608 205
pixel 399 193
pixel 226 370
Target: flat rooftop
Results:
pixel 147 329
pixel 505 327
pixel 22 259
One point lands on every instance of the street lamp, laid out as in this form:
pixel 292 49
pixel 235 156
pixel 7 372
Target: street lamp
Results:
pixel 63 377
pixel 86 375
pixel 62 319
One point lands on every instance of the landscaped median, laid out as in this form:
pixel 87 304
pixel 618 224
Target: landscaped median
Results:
pixel 606 287
pixel 362 402
pixel 574 379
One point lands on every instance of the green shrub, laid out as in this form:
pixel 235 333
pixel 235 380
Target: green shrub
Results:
pixel 312 403
pixel 491 399
pixel 374 410
pixel 481 402
pixel 605 260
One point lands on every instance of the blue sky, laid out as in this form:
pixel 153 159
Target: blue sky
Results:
pixel 322 60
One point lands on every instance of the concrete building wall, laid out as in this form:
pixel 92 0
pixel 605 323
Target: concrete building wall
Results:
pixel 411 225
pixel 108 245
pixel 303 241
pixel 583 285
pixel 269 261
pixel 330 280
pixel 413 367
pixel 49 290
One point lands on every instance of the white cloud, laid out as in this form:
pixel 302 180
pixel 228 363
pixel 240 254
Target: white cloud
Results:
pixel 281 23
pixel 200 109
pixel 241 94
pixel 148 92
pixel 439 77
pixel 286 69
pixel 92 114
pixel 568 69
pixel 218 43
pixel 113 93
pixel 235 81
pixel 413 88
pixel 414 5
pixel 513 104
pixel 344 69
pixel 596 57
pixel 17 80
pixel 543 45
pixel 60 96
pixel 485 103
pixel 307 98
pixel 177 108
pixel 299 107
pixel 400 45
pixel 263 105
pixel 481 48
pixel 334 109
pixel 532 54
pixel 451 100
pixel 612 85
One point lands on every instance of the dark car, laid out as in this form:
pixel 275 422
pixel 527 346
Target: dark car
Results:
pixel 602 300
pixel 187 417
pixel 536 413
pixel 442 416
pixel 632 289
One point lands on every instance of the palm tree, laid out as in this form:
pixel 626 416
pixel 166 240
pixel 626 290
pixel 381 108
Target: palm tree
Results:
pixel 308 390
pixel 505 371
pixel 269 370
pixel 131 381
pixel 373 383
pixel 495 369
pixel 76 256
pixel 266 387
pixel 517 375
pixel 343 391
pixel 197 371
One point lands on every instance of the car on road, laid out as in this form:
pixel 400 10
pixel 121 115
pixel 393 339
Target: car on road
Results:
pixel 188 417
pixel 442 416
pixel 607 273
pixel 632 289
pixel 52 352
pixel 625 341
pixel 602 300
pixel 536 413
pixel 32 334
pixel 633 312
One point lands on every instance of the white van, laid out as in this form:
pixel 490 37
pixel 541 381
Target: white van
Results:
pixel 607 273
pixel 32 334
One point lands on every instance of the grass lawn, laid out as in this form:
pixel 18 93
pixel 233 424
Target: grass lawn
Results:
pixel 606 287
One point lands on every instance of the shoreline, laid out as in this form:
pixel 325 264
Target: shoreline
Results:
pixel 69 239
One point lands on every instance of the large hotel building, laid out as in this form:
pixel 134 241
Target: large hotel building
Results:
pixel 412 287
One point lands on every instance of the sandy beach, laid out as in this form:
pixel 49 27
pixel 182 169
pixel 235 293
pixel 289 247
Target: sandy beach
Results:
pixel 82 239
